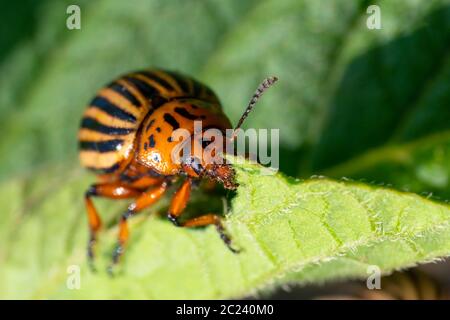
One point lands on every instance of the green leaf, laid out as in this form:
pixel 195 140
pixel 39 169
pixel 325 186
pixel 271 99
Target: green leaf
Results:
pixel 288 230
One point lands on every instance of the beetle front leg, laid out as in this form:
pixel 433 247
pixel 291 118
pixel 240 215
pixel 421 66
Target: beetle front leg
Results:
pixel 144 200
pixel 107 190
pixel 177 206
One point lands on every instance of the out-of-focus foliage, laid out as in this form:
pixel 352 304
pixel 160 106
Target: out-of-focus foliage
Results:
pixel 421 166
pixel 371 105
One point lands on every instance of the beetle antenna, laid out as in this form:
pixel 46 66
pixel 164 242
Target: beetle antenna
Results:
pixel 266 84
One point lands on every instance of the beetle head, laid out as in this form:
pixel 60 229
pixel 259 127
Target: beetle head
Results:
pixel 205 161
pixel 222 173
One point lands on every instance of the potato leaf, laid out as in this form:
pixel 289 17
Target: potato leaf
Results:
pixel 288 230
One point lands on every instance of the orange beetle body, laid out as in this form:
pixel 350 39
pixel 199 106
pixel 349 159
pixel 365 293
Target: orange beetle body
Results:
pixel 130 122
pixel 126 138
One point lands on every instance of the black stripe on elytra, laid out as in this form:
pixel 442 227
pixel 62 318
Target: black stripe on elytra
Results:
pixel 181 80
pixel 122 90
pixel 210 93
pixel 110 169
pixel 197 89
pixel 111 109
pixel 157 79
pixel 158 101
pixel 183 112
pixel 151 141
pixel 147 90
pixel 92 124
pixel 171 120
pixel 101 146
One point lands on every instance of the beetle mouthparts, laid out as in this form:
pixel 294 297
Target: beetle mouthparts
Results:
pixel 224 174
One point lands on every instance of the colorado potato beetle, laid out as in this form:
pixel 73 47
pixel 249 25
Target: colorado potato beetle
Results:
pixel 125 137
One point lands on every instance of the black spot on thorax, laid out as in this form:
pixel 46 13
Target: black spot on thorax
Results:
pixel 151 141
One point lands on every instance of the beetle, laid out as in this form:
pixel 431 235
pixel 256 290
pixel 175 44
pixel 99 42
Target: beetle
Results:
pixel 125 137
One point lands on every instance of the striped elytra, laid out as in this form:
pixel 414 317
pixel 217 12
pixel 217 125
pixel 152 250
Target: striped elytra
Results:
pixel 130 121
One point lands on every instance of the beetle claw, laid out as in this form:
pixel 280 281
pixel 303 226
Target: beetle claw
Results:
pixel 90 254
pixel 118 250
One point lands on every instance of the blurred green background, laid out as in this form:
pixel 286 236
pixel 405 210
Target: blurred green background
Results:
pixel 371 105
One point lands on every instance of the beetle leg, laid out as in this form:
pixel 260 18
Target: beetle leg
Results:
pixel 144 200
pixel 214 219
pixel 107 190
pixel 177 206
pixel 179 201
